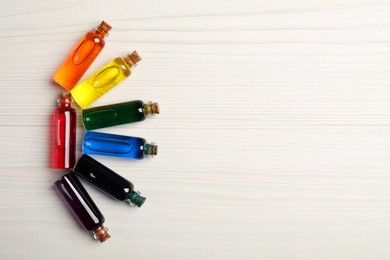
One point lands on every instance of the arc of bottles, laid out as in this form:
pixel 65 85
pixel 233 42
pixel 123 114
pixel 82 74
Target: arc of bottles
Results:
pixel 64 131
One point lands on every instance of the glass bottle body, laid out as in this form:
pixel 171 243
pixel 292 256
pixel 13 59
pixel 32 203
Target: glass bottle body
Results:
pixel 107 180
pixel 79 60
pixel 112 115
pixel 101 82
pixel 63 148
pixel 82 205
pixel 116 145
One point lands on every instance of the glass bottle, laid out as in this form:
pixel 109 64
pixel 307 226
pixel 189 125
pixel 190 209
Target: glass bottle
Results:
pixel 63 143
pixel 118 114
pixel 82 206
pixel 104 79
pixel 117 145
pixel 82 57
pixel 107 180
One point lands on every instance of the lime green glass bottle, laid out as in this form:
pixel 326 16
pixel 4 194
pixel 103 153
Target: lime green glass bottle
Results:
pixel 118 114
pixel 105 79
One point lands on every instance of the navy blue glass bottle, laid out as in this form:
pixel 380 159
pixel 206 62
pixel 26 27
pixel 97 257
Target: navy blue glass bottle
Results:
pixel 82 205
pixel 107 180
pixel 117 145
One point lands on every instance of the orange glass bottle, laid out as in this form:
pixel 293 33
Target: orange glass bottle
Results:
pixel 82 57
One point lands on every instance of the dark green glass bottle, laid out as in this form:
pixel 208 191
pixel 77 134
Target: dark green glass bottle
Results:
pixel 118 114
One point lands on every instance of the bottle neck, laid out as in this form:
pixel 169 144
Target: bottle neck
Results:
pixel 151 108
pixel 65 100
pixel 101 234
pixel 135 198
pixel 132 59
pixel 150 149
pixel 103 29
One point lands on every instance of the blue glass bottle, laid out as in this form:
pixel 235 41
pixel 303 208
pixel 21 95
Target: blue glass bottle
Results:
pixel 117 145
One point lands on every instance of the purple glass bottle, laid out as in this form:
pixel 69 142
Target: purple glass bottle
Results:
pixel 81 204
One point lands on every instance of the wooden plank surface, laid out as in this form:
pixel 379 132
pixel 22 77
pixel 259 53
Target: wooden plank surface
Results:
pixel 274 132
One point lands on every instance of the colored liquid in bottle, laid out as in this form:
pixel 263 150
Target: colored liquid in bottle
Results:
pixel 63 148
pixel 82 205
pixel 104 80
pixel 117 145
pixel 81 58
pixel 117 114
pixel 107 180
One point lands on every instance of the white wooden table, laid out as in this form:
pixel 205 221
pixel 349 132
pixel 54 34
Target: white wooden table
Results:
pixel 274 132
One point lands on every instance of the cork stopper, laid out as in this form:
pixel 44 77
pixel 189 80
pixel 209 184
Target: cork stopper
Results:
pixel 132 59
pixel 103 28
pixel 150 149
pixel 64 99
pixel 151 108
pixel 101 234
pixel 135 198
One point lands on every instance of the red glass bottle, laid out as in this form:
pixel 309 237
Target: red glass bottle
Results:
pixel 82 57
pixel 63 148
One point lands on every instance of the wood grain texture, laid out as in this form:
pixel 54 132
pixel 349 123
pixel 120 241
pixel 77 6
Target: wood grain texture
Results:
pixel 274 136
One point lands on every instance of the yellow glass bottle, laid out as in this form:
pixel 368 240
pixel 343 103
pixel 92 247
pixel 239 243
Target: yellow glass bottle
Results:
pixel 104 79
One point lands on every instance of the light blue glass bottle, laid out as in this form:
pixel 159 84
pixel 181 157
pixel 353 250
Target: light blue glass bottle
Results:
pixel 117 145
